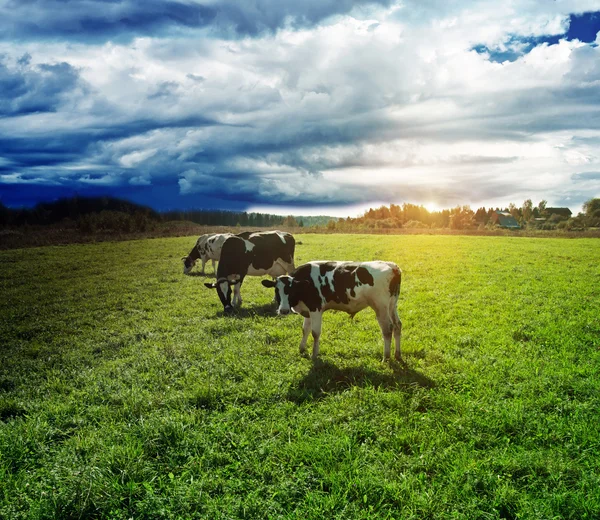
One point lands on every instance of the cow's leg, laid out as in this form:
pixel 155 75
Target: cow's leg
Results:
pixel 397 324
pixel 385 323
pixel 316 319
pixel 237 295
pixel 203 264
pixel 214 264
pixel 274 300
pixel 305 330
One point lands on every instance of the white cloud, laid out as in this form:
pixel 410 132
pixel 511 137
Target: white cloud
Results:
pixel 133 159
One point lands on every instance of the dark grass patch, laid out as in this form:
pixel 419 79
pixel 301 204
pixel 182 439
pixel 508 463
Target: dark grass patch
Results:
pixel 10 409
pixel 325 379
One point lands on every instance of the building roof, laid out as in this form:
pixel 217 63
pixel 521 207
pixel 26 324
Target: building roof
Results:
pixel 563 212
pixel 506 220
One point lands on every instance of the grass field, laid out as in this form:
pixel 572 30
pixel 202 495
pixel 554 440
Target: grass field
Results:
pixel 125 392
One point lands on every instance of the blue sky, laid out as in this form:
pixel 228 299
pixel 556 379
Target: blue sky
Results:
pixel 320 106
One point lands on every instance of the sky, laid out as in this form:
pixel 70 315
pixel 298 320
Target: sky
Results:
pixel 303 107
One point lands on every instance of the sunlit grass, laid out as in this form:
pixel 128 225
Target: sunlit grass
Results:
pixel 125 392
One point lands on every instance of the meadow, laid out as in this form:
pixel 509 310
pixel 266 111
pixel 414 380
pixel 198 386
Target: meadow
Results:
pixel 126 393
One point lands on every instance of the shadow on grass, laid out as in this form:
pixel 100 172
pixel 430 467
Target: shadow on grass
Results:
pixel 201 274
pixel 267 309
pixel 325 378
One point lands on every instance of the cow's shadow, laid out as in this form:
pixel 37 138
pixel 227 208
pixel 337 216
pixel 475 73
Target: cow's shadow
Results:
pixel 266 309
pixel 324 378
pixel 201 274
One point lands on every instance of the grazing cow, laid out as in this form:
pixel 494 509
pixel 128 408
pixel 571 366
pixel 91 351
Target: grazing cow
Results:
pixel 208 247
pixel 257 254
pixel 316 287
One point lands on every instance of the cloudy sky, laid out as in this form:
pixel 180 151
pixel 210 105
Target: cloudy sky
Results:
pixel 313 106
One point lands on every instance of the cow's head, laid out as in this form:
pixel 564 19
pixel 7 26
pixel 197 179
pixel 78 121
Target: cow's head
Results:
pixel 188 263
pixel 223 287
pixel 283 291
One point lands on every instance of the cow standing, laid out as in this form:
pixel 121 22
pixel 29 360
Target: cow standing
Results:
pixel 345 286
pixel 208 247
pixel 258 254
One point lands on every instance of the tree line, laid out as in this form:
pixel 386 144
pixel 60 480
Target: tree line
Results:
pixel 92 214
pixel 527 215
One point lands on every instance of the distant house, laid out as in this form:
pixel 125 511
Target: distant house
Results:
pixel 562 212
pixel 505 220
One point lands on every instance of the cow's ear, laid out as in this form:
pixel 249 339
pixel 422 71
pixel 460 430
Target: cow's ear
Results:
pixel 210 285
pixel 269 283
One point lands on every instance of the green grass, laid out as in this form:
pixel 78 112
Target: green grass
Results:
pixel 125 392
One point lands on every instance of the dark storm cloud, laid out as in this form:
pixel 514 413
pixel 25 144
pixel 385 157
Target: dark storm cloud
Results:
pixel 26 89
pixel 82 144
pixel 93 20
pixel 252 17
pixel 97 19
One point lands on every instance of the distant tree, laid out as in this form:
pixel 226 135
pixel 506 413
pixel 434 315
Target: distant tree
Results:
pixel 591 207
pixel 542 206
pixel 4 215
pixel 481 216
pixel 527 210
pixel 290 221
pixel 592 213
pixel 462 217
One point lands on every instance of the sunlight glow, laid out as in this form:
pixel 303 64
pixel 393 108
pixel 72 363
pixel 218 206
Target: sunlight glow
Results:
pixel 431 207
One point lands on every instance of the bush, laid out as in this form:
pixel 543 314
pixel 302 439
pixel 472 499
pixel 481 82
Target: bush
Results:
pixel 115 222
pixel 415 224
pixel 554 218
pixel 87 223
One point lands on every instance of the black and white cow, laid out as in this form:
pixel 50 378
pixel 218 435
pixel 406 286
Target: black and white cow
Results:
pixel 258 254
pixel 316 287
pixel 208 247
